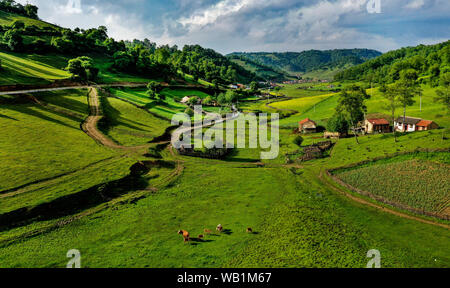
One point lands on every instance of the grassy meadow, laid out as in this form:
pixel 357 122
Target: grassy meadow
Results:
pixel 298 217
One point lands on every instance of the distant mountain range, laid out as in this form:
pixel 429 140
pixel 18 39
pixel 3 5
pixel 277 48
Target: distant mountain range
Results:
pixel 320 64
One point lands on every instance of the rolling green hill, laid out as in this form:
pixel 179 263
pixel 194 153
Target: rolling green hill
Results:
pixel 263 71
pixel 429 61
pixel 298 63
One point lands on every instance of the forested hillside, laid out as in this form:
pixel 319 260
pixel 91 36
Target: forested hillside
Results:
pixel 429 61
pixel 307 61
pixel 21 34
pixel 261 70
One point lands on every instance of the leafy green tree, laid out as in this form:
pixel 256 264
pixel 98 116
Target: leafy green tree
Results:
pixel 231 97
pixel 338 123
pixel 189 111
pixel 254 86
pixel 406 89
pixel 298 140
pixel 194 100
pixel 351 105
pixel 443 94
pixel 208 101
pixel 82 68
pixel 13 39
pixel 221 99
pixel 31 11
pixel 18 25
pixel 390 95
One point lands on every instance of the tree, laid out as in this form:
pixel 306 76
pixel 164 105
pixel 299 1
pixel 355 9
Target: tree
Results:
pixel 18 25
pixel 351 105
pixel 153 88
pixel 82 68
pixel 391 96
pixel 193 100
pixel 298 140
pixel 406 89
pixel 231 97
pixel 338 123
pixel 31 11
pixel 189 112
pixel 443 94
pixel 208 101
pixel 254 86
pixel 13 39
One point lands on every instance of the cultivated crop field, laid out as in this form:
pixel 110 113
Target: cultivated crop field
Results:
pixel 417 183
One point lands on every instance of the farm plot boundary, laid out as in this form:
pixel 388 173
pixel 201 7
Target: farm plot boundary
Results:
pixel 380 199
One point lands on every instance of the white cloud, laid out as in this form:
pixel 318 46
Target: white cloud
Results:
pixel 415 4
pixel 72 7
pixel 211 14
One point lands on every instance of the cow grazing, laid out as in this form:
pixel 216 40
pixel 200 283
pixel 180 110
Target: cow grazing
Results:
pixel 219 228
pixel 201 236
pixel 207 231
pixel 185 235
pixel 249 230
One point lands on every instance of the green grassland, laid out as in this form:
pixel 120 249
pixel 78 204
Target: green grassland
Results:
pixel 31 69
pixel 322 107
pixel 7 19
pixel 44 69
pixel 297 219
pixel 32 136
pixel 166 109
pixel 129 125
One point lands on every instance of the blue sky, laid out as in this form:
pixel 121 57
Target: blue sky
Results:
pixel 260 25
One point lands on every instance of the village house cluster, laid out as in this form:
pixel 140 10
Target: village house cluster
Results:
pixel 374 126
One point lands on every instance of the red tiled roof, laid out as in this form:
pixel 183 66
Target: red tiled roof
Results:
pixel 378 121
pixel 306 121
pixel 424 123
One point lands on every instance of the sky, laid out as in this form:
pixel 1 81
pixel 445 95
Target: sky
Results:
pixel 260 25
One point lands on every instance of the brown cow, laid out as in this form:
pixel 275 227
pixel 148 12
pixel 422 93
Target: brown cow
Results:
pixel 207 231
pixel 185 235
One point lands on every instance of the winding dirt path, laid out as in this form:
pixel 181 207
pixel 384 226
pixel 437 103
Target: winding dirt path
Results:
pixel 90 125
pixel 376 206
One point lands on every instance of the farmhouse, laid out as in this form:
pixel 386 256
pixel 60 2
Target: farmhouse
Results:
pixel 307 126
pixel 407 125
pixel 412 124
pixel 185 100
pixel 426 125
pixel 377 126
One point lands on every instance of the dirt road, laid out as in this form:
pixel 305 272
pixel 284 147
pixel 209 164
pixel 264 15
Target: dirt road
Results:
pixel 90 125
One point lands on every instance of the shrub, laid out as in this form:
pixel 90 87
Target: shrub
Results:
pixel 298 141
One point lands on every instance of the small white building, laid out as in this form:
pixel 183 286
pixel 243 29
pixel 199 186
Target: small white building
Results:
pixel 185 100
pixel 408 124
